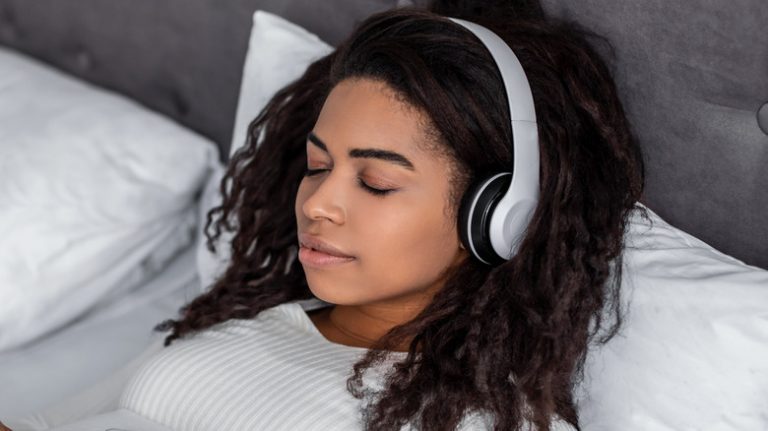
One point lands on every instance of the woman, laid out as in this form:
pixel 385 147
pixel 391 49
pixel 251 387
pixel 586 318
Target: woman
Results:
pixel 349 190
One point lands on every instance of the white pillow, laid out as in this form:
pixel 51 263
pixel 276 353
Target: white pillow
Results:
pixel 278 53
pixel 96 195
pixel 693 354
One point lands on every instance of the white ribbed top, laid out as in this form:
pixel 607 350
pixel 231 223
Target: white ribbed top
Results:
pixel 273 372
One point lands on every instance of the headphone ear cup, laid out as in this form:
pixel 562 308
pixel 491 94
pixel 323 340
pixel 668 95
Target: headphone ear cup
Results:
pixel 475 213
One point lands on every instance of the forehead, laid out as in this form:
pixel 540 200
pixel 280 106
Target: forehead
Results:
pixel 368 113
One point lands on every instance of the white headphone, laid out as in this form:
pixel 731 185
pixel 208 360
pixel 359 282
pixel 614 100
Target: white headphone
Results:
pixel 496 210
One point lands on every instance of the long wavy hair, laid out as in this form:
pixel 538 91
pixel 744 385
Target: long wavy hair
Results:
pixel 507 340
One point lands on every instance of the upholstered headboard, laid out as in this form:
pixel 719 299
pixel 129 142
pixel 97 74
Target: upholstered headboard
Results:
pixel 694 80
pixel 693 76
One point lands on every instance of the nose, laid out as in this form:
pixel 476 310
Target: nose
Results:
pixel 324 200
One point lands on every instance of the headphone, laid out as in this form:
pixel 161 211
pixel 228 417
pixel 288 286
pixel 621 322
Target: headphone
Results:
pixel 496 210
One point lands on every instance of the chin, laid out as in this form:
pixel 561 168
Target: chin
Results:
pixel 325 291
pixel 321 296
pixel 335 293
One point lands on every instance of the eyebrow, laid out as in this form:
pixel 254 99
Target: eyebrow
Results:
pixel 368 153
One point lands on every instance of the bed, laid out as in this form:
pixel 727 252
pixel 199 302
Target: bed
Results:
pixel 693 77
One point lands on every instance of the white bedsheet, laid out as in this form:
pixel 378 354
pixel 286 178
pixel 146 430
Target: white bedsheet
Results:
pixel 62 364
pixel 120 420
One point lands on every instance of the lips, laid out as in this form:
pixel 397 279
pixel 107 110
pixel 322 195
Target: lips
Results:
pixel 316 244
pixel 320 255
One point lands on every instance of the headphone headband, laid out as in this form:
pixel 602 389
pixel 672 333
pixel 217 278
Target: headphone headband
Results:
pixel 515 81
pixel 502 216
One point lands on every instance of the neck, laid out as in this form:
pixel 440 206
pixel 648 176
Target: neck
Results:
pixel 369 323
pixel 362 325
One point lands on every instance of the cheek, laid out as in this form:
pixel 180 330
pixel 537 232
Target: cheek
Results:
pixel 412 246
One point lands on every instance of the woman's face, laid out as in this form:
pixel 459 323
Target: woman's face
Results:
pixel 400 240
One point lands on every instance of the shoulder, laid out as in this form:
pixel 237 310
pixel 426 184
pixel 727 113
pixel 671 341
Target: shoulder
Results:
pixel 281 313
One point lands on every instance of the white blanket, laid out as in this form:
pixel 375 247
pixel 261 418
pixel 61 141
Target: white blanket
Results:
pixel 119 420
pixel 38 376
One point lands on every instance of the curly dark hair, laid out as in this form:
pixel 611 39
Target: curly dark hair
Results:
pixel 509 340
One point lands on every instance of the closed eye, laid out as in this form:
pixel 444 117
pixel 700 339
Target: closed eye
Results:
pixel 372 190
pixel 313 172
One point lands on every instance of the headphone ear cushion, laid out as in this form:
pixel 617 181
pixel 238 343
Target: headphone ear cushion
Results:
pixel 475 213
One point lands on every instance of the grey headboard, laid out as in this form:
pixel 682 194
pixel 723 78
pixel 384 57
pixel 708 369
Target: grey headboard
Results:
pixel 693 77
